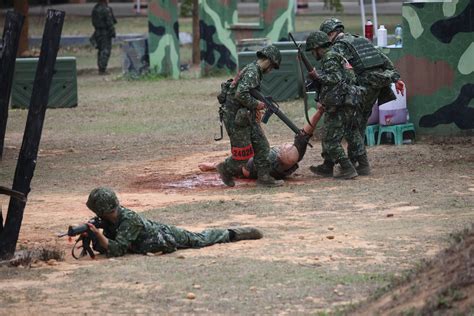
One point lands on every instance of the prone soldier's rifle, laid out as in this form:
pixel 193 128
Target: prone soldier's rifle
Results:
pixel 86 236
pixel 273 108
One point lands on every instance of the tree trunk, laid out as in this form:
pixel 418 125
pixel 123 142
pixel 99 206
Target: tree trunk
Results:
pixel 196 34
pixel 34 125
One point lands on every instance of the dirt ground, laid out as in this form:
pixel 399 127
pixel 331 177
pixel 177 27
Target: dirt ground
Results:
pixel 328 244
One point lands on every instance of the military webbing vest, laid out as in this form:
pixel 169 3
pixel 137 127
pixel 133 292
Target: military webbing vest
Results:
pixel 365 55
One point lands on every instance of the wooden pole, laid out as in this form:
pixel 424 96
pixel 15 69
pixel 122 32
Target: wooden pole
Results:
pixel 11 37
pixel 34 125
pixel 196 36
pixel 21 6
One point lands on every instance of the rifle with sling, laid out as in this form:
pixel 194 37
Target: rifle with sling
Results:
pixel 273 108
pixel 86 236
pixel 309 84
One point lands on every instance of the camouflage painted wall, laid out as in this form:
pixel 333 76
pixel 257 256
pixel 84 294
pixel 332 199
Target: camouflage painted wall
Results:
pixel 437 64
pixel 220 30
pixel 163 37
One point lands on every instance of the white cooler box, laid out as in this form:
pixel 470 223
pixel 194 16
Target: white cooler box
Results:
pixel 394 112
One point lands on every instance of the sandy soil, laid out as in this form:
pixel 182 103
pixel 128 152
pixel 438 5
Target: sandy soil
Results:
pixel 327 243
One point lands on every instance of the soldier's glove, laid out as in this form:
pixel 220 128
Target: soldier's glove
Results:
pixel 260 105
pixel 400 87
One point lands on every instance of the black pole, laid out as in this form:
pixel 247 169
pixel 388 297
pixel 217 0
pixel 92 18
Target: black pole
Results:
pixel 10 40
pixel 34 125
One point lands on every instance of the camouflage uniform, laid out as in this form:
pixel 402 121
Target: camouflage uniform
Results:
pixel 376 80
pixel 134 233
pixel 375 72
pixel 103 21
pixel 341 98
pixel 247 138
pixel 340 117
pixel 127 231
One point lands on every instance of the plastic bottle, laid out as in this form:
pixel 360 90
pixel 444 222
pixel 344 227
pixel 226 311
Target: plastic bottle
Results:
pixel 369 30
pixel 398 36
pixel 382 36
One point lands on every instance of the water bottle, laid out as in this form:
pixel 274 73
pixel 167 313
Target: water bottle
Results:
pixel 382 36
pixel 398 36
pixel 369 30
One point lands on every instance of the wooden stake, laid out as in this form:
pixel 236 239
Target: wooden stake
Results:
pixel 11 37
pixel 34 125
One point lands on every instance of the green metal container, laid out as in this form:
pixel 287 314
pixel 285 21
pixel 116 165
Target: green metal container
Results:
pixel 282 84
pixel 63 92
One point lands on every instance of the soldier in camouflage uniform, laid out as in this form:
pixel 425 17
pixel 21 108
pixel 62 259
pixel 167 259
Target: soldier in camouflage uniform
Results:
pixel 103 21
pixel 283 158
pixel 241 113
pixel 126 231
pixel 375 72
pixel 341 99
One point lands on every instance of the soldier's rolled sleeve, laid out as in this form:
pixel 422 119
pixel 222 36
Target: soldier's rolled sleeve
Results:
pixel 249 81
pixel 127 233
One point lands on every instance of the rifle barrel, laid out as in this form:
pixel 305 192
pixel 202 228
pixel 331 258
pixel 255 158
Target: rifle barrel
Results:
pixel 302 55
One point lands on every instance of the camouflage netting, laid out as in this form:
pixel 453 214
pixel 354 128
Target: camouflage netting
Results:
pixel 221 30
pixel 163 37
pixel 436 62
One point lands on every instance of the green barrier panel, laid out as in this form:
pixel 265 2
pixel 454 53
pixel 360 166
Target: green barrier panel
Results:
pixel 282 84
pixel 63 92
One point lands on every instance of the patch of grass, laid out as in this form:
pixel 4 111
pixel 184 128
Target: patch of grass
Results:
pixel 48 253
pixel 459 236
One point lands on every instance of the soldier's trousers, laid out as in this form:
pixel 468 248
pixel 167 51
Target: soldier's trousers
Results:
pixel 339 125
pixel 247 139
pixel 104 47
pixel 369 99
pixel 186 239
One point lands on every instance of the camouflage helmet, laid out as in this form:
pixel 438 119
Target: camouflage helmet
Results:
pixel 317 39
pixel 271 52
pixel 102 200
pixel 331 24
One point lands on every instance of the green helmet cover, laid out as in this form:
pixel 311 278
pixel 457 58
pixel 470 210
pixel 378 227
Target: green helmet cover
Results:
pixel 271 52
pixel 102 200
pixel 330 25
pixel 317 39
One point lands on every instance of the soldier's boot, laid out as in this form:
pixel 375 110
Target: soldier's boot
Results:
pixel 347 170
pixel 244 233
pixel 225 176
pixel 354 160
pixel 103 72
pixel 363 169
pixel 325 170
pixel 268 181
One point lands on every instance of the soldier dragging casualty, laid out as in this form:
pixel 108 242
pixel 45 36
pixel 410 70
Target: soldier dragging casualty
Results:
pixel 374 72
pixel 241 114
pixel 341 99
